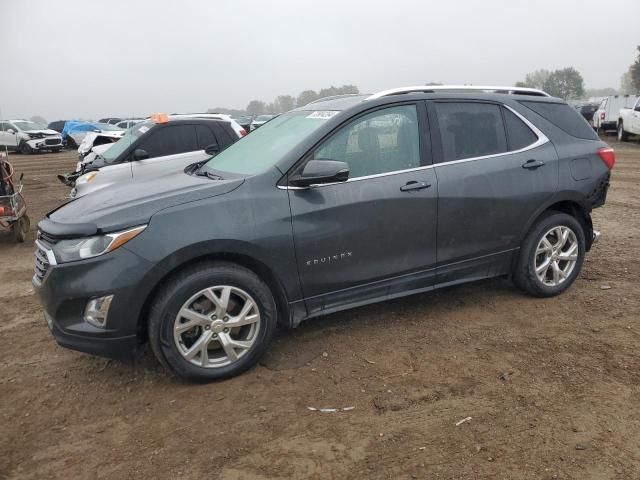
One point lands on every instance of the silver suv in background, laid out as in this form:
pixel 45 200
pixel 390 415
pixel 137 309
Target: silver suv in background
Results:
pixel 26 136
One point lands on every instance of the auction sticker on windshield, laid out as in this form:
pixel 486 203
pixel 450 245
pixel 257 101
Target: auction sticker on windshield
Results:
pixel 143 129
pixel 322 115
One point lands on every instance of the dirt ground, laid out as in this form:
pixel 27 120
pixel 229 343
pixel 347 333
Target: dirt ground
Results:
pixel 552 387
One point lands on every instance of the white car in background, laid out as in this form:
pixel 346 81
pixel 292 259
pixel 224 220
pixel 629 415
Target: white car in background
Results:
pixel 606 117
pixel 26 136
pixel 130 122
pixel 259 121
pixel 93 139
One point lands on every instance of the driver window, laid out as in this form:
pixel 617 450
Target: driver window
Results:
pixel 386 140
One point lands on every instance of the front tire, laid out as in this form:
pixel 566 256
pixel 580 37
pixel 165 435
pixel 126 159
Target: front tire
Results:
pixel 25 148
pixel 622 135
pixel 212 321
pixel 551 256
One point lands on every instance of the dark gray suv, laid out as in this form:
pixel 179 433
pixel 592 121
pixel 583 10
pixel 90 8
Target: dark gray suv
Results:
pixel 346 201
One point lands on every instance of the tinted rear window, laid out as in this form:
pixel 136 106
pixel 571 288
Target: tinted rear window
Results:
pixel 563 117
pixel 470 130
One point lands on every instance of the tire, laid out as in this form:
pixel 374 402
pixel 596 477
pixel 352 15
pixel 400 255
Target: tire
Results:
pixel 622 135
pixel 20 228
pixel 25 148
pixel 184 293
pixel 549 226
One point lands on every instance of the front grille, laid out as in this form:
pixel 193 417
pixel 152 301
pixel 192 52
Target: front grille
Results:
pixel 52 141
pixel 41 264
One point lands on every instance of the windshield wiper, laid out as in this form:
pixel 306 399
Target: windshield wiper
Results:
pixel 205 173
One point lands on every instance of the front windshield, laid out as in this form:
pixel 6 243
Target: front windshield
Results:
pixel 127 139
pixel 263 118
pixel 264 147
pixel 28 126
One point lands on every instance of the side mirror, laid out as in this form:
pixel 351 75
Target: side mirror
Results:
pixel 317 172
pixel 139 154
pixel 11 131
pixel 637 109
pixel 212 149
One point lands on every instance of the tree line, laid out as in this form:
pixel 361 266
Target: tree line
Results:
pixel 567 83
pixel 284 103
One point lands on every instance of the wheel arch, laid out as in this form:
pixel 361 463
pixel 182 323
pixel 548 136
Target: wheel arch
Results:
pixel 570 204
pixel 173 268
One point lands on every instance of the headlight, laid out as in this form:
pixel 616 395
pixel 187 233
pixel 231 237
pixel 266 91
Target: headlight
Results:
pixel 82 248
pixel 89 177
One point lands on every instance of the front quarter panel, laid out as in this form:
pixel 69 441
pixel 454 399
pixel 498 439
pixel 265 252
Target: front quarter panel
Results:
pixel 252 221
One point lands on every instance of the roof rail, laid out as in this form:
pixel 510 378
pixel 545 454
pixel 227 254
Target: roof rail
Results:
pixel 460 89
pixel 333 97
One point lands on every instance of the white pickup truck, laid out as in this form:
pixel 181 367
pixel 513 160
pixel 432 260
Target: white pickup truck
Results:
pixel 629 121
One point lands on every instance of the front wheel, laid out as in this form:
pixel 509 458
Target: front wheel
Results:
pixel 212 321
pixel 551 256
pixel 25 148
pixel 622 135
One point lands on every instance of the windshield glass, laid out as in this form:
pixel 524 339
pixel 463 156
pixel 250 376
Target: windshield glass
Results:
pixel 27 126
pixel 263 118
pixel 264 147
pixel 127 139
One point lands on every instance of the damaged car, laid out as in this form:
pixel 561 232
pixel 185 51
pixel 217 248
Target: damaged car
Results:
pixel 150 149
pixel 25 136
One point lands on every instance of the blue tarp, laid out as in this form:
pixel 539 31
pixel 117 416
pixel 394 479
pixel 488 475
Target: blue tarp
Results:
pixel 73 126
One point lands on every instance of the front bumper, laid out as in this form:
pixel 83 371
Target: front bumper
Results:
pixel 46 143
pixel 65 289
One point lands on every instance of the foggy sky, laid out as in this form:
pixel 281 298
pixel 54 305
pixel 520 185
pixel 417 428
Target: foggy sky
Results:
pixel 78 58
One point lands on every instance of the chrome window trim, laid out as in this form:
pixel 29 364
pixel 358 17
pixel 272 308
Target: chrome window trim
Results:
pixel 542 139
pixel 51 258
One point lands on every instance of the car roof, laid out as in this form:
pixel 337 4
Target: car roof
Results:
pixel 344 102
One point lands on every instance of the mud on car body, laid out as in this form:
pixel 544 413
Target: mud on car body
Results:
pixel 346 201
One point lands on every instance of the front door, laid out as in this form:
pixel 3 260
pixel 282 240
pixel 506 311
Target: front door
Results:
pixel 170 149
pixel 494 171
pixel 373 236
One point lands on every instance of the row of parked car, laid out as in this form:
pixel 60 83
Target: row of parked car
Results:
pixel 619 113
pixel 349 200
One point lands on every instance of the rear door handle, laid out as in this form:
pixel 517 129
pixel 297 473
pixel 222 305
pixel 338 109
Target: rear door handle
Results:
pixel 533 164
pixel 413 185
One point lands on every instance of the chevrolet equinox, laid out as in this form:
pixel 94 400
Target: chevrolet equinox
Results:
pixel 343 202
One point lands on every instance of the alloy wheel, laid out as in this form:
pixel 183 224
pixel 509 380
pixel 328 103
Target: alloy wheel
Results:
pixel 217 326
pixel 556 256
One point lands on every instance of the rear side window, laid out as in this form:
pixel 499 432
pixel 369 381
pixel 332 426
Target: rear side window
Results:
pixel 170 141
pixel 519 135
pixel 470 130
pixel 564 117
pixel 205 136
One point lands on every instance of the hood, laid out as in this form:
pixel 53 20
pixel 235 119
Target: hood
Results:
pixel 133 203
pixel 43 132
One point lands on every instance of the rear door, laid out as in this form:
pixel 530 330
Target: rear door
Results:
pixel 170 149
pixel 6 138
pixel 494 171
pixel 373 236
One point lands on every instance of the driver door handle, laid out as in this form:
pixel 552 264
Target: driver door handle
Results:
pixel 533 164
pixel 413 185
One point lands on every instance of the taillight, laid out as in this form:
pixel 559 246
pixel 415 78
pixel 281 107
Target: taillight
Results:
pixel 608 156
pixel 243 132
pixel 601 115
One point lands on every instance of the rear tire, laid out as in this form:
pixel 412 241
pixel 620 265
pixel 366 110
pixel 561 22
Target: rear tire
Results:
pixel 200 340
pixel 547 265
pixel 622 135
pixel 20 228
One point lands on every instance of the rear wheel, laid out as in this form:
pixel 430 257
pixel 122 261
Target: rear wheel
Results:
pixel 212 321
pixel 551 256
pixel 622 135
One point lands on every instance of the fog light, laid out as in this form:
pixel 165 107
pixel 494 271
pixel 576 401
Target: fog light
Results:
pixel 97 310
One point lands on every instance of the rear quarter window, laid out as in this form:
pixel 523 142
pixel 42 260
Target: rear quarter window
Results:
pixel 564 117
